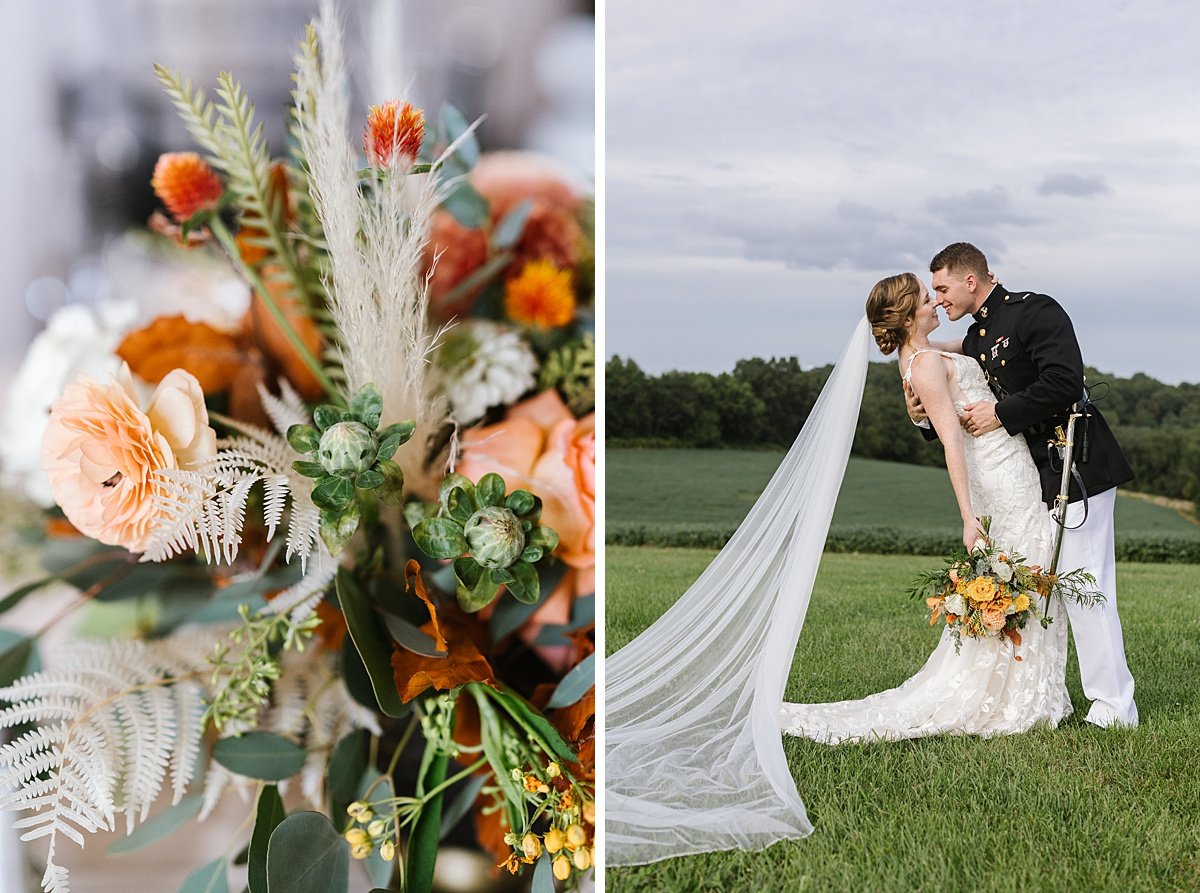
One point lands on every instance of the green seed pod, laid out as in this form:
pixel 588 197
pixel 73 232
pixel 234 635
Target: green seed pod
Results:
pixel 347 449
pixel 495 537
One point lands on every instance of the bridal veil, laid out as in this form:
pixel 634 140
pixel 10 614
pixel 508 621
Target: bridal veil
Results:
pixel 694 755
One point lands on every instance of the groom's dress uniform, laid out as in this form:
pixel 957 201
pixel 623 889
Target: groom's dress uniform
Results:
pixel 1027 347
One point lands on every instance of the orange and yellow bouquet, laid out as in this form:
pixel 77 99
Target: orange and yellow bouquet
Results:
pixel 358 522
pixel 991 592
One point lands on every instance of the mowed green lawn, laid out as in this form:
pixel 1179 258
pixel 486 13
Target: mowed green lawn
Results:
pixel 716 488
pixel 1072 809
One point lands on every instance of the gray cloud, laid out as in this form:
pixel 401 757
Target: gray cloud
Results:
pixel 1075 185
pixel 979 209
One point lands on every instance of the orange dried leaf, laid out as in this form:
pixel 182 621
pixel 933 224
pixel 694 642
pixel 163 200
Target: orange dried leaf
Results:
pixel 465 663
pixel 413 579
pixel 172 342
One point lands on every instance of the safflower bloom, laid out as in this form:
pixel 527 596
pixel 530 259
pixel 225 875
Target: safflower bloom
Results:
pixel 393 133
pixel 101 450
pixel 540 296
pixel 185 183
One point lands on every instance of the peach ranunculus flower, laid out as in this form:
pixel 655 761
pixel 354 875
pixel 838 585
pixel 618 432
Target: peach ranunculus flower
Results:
pixel 541 447
pixel 101 450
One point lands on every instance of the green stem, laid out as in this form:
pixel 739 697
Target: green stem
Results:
pixel 478 764
pixel 223 236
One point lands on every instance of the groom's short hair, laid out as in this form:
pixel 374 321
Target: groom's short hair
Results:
pixel 960 259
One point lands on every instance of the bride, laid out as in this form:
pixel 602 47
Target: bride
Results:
pixel 694 757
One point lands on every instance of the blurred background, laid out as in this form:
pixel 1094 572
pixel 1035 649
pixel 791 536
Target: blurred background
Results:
pixel 85 119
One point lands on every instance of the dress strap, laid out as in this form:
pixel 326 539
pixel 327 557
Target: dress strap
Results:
pixel 917 353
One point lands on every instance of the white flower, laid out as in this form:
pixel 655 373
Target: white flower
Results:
pixel 76 339
pixel 955 604
pixel 1002 569
pixel 484 364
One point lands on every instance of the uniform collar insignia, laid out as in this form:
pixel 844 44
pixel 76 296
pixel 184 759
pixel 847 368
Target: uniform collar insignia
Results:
pixel 995 296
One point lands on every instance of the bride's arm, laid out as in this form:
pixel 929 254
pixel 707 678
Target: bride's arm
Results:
pixel 930 381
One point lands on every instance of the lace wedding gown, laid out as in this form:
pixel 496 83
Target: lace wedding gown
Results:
pixel 981 690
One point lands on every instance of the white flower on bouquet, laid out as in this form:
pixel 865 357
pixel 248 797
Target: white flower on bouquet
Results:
pixel 956 604
pixel 484 364
pixel 76 339
pixel 1002 569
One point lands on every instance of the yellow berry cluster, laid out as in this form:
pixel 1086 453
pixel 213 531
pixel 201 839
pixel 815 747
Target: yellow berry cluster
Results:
pixel 369 832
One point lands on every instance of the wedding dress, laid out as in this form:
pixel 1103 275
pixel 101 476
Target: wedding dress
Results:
pixel 981 690
pixel 694 757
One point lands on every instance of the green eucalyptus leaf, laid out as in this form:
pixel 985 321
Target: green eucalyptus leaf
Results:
pixel 307 855
pixel 508 231
pixel 524 585
pixel 468 571
pixel 391 491
pixel 15 658
pixel 368 480
pixel 165 823
pixel 454 125
pixel 490 489
pixel 337 528
pixel 309 469
pixel 346 767
pixel 15 597
pixel 209 878
pixel 464 799
pixel 466 205
pixel 326 416
pixel 577 683
pixel 478 596
pixel 532 554
pixel 543 875
pixel 268 814
pixel 303 438
pixel 520 502
pixel 449 482
pixel 260 755
pixel 460 505
pixel 333 493
pixel 372 641
pixel 410 637
pixel 367 406
pixel 440 538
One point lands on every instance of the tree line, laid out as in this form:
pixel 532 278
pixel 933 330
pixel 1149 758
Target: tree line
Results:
pixel 764 403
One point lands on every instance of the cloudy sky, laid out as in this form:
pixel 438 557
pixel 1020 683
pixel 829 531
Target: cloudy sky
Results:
pixel 767 162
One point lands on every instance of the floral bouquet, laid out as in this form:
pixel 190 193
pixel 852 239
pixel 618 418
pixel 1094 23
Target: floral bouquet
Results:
pixel 992 593
pixel 357 527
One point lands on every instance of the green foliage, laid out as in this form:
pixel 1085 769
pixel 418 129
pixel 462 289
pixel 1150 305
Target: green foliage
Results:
pixel 765 403
pixel 307 855
pixel 1103 806
pixel 260 755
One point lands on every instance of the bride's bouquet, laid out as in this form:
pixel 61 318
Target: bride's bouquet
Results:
pixel 990 592
pixel 355 530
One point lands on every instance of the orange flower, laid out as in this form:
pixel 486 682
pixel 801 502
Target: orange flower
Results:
pixel 393 133
pixel 541 447
pixel 185 184
pixel 541 296
pixel 994 620
pixel 101 450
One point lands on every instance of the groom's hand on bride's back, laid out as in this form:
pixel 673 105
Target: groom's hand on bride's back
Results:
pixel 916 411
pixel 980 418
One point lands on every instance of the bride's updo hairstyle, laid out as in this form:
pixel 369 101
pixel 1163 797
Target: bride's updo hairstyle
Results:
pixel 892 303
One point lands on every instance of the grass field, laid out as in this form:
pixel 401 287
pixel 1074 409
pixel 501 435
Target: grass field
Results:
pixel 1073 809
pixel 702 488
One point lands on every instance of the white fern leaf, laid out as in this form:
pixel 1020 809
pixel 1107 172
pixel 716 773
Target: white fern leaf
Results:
pixel 203 508
pixel 285 410
pixel 302 596
pixel 110 728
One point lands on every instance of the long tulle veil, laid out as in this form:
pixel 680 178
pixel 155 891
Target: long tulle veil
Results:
pixel 694 756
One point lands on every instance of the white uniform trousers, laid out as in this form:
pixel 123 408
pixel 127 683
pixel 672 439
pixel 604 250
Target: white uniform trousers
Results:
pixel 1099 645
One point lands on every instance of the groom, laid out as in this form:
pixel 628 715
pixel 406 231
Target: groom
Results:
pixel 1027 347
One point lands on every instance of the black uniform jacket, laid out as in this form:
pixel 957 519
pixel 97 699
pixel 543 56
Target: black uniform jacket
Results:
pixel 1027 347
